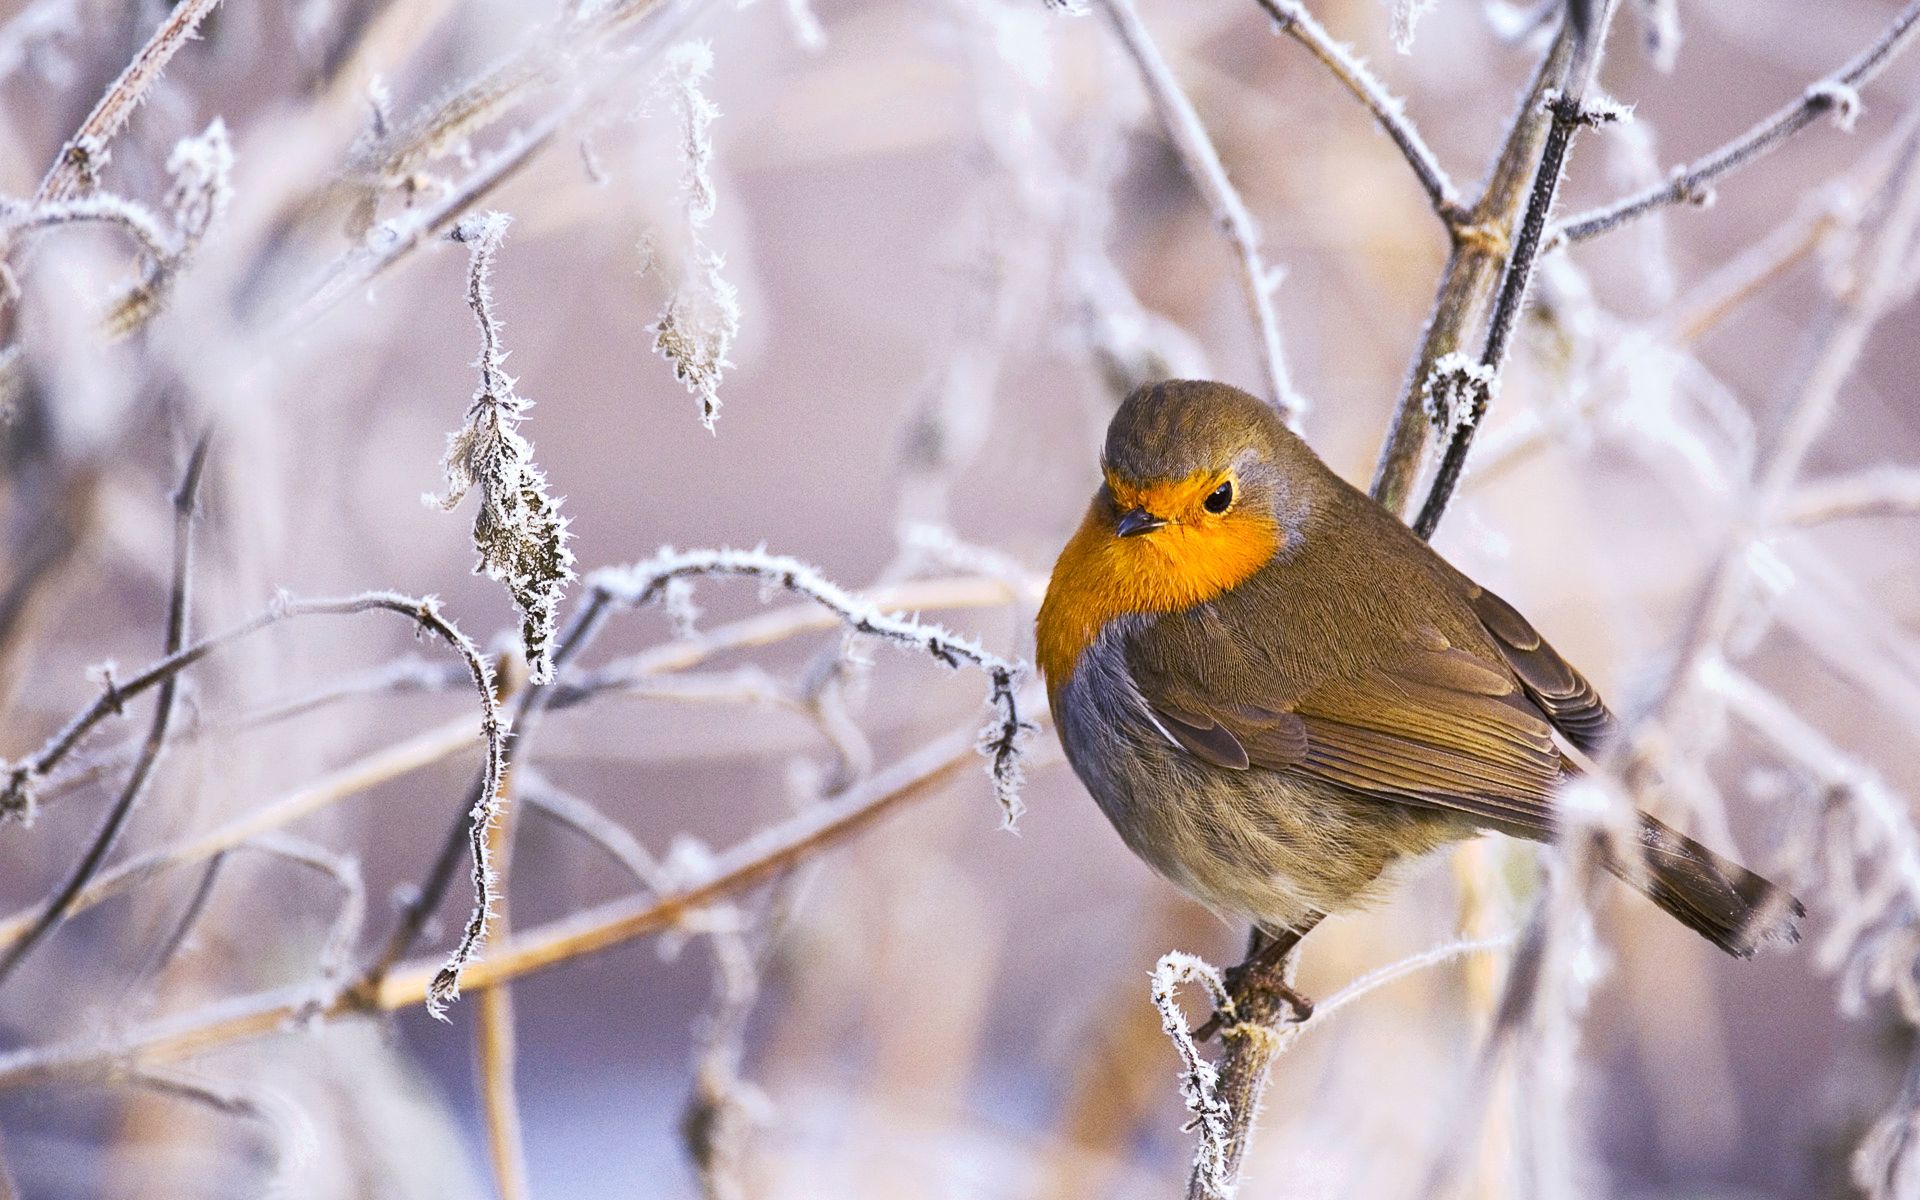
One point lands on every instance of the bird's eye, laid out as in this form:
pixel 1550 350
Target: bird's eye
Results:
pixel 1220 500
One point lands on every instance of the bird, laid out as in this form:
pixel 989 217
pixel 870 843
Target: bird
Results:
pixel 1278 694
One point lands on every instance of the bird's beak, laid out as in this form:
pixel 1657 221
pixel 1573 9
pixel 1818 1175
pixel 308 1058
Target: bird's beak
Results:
pixel 1137 521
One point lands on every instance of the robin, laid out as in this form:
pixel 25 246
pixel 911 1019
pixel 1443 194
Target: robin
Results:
pixel 1276 691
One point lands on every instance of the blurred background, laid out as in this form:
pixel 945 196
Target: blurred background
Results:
pixel 957 234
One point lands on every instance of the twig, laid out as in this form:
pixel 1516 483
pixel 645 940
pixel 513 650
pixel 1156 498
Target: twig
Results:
pixel 1190 141
pixel 1570 111
pixel 717 1122
pixel 1292 18
pixel 589 822
pixel 285 1126
pixel 1259 1030
pixel 1887 491
pixel 1724 291
pixel 103 208
pixel 179 601
pixel 754 861
pixel 80 161
pixel 1471 275
pixel 423 612
pixel 176 941
pixel 1199 1081
pixel 1001 741
pixel 1393 972
pixel 374 769
pixel 496 1052
pixel 1838 94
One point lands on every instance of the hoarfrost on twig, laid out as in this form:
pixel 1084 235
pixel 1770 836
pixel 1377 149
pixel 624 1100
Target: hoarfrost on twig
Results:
pixel 519 533
pixel 695 330
pixel 1000 741
pixel 1199 1080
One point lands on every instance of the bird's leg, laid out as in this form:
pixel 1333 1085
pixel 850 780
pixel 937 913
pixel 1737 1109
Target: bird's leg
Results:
pixel 1265 969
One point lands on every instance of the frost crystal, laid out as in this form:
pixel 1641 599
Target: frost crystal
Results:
pixel 1455 379
pixel 1406 19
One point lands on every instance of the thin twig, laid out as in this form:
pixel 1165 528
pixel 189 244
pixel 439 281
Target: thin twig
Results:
pixel 85 153
pixel 1887 491
pixel 753 862
pixel 1570 111
pixel 1292 18
pixel 1472 273
pixel 179 602
pixel 1190 141
pixel 581 816
pixel 1838 94
pixel 286 1128
pixel 1001 741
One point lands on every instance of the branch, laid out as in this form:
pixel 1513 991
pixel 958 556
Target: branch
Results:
pixel 1471 275
pixel 1569 113
pixel 60 904
pixel 1196 151
pixel 1001 741
pixel 752 862
pixel 1292 18
pixel 77 169
pixel 1838 94
pixel 22 777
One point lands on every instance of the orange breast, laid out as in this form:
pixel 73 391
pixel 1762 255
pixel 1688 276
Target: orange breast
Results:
pixel 1100 577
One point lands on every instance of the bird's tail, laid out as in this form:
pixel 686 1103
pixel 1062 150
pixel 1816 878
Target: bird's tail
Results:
pixel 1719 899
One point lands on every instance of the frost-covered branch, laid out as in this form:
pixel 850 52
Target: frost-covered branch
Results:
pixel 77 170
pixel 1837 95
pixel 1199 1081
pixel 518 532
pixel 695 331
pixel 1292 18
pixel 1001 741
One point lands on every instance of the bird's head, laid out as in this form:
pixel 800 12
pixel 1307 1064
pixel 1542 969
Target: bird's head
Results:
pixel 1204 473
pixel 1202 487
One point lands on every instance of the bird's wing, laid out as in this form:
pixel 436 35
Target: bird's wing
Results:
pixel 1430 725
pixel 1563 695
